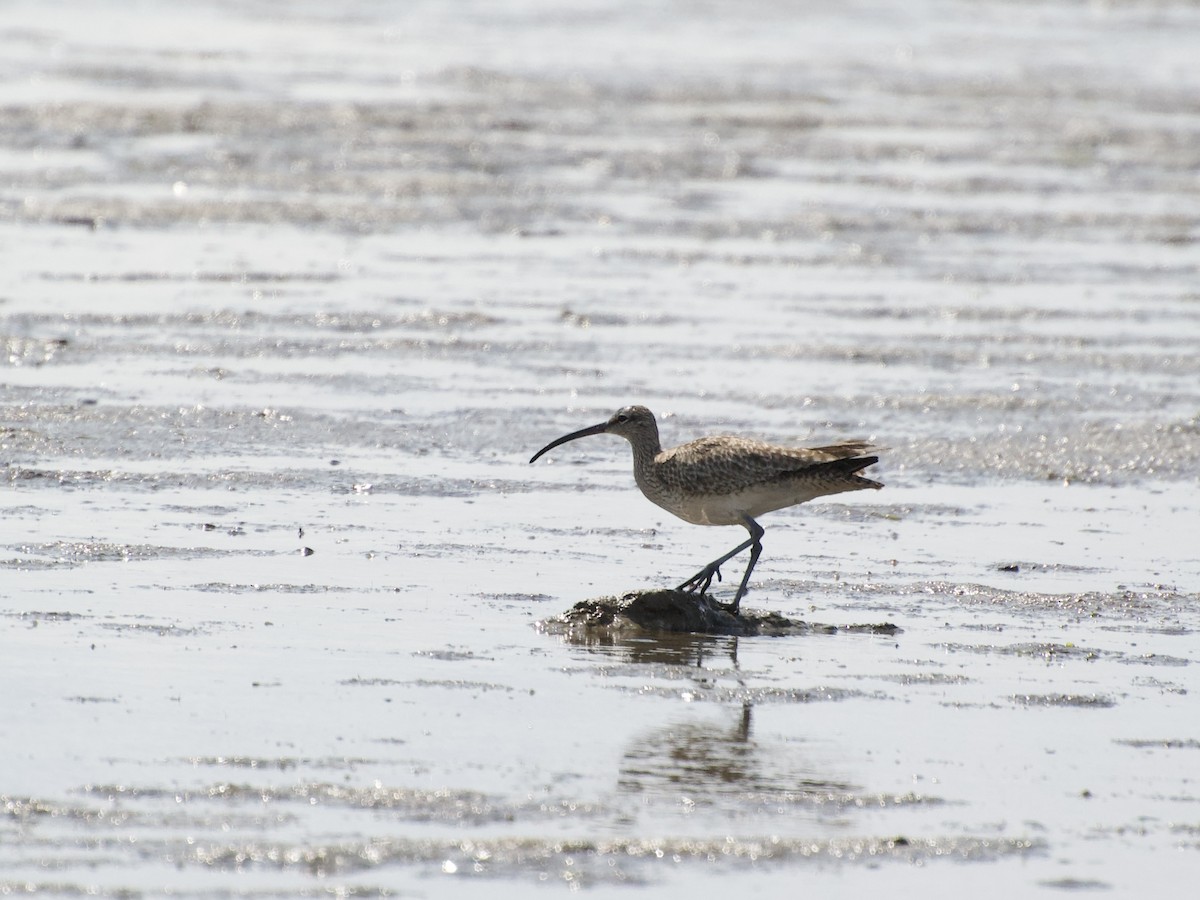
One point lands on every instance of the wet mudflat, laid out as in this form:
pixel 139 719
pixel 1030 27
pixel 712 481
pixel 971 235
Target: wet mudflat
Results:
pixel 290 297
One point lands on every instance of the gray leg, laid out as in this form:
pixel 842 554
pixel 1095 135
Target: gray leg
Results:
pixel 756 533
pixel 701 580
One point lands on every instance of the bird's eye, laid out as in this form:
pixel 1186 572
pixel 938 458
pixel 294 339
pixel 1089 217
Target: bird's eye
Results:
pixel 622 418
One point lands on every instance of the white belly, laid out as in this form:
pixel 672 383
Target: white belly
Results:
pixel 728 509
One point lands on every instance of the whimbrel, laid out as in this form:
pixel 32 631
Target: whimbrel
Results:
pixel 729 480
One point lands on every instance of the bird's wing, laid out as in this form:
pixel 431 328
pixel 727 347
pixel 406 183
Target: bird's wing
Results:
pixel 846 449
pixel 730 464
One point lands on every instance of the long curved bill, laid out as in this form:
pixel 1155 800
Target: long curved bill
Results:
pixel 582 432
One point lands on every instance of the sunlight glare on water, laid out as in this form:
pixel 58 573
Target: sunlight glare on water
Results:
pixel 293 294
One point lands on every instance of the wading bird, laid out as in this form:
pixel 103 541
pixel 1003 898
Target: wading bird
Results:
pixel 729 480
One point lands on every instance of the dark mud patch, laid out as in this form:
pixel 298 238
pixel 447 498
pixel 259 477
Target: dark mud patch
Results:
pixel 1049 651
pixel 933 679
pixel 453 806
pixel 460 684
pixel 1084 701
pixel 1157 606
pixel 1163 744
pixel 1163 687
pixel 1076 884
pixel 35 616
pixel 224 587
pixel 677 612
pixel 281 764
pixel 742 694
pixel 1055 653
pixel 169 629
pixel 516 598
pixel 452 654
pixel 582 861
pixel 76 553
pixel 1016 567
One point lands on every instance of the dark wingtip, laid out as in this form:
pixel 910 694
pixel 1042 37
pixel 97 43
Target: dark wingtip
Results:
pixel 870 482
pixel 853 466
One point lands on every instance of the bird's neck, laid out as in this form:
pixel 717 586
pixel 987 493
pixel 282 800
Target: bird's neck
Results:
pixel 644 452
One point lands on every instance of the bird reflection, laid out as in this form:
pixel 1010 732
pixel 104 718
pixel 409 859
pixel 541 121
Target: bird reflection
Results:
pixel 663 649
pixel 697 759
pixel 706 763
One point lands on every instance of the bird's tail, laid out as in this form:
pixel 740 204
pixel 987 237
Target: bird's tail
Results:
pixel 847 470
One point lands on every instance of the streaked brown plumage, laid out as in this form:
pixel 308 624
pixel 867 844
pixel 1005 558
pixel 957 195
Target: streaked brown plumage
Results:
pixel 729 480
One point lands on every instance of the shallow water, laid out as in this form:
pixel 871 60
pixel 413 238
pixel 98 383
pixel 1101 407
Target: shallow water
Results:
pixel 291 297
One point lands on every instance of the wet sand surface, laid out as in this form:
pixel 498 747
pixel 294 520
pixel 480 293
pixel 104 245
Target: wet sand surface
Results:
pixel 291 294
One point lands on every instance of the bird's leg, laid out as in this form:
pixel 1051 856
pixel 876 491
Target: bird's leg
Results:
pixel 701 580
pixel 756 533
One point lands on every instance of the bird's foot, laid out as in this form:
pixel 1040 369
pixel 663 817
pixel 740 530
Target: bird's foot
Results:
pixel 732 607
pixel 700 582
